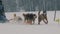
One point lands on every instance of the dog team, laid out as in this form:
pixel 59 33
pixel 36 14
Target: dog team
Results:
pixel 29 18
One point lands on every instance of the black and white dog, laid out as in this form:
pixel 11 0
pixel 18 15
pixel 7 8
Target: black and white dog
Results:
pixel 29 18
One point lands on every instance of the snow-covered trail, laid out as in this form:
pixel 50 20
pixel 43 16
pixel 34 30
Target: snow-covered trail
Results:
pixel 30 29
pixel 19 28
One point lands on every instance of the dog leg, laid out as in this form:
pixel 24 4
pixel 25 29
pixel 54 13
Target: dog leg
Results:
pixel 33 21
pixel 29 22
pixel 39 22
pixel 45 21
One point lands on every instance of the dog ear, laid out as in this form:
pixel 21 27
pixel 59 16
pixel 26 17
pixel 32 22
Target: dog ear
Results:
pixel 23 14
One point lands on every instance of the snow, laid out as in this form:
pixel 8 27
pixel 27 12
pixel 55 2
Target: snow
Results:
pixel 20 28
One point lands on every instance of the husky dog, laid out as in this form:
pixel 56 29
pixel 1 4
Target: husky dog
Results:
pixel 29 18
pixel 16 18
pixel 42 17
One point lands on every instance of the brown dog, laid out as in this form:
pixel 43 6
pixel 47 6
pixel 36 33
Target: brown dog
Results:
pixel 42 17
pixel 29 18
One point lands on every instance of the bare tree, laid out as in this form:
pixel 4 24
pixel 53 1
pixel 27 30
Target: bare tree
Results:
pixel 55 10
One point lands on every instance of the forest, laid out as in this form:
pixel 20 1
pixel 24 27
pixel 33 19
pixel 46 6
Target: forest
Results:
pixel 31 5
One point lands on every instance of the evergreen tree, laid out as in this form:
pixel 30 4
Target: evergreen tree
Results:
pixel 2 13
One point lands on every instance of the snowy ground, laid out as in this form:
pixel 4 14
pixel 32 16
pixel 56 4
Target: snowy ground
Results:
pixel 20 28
